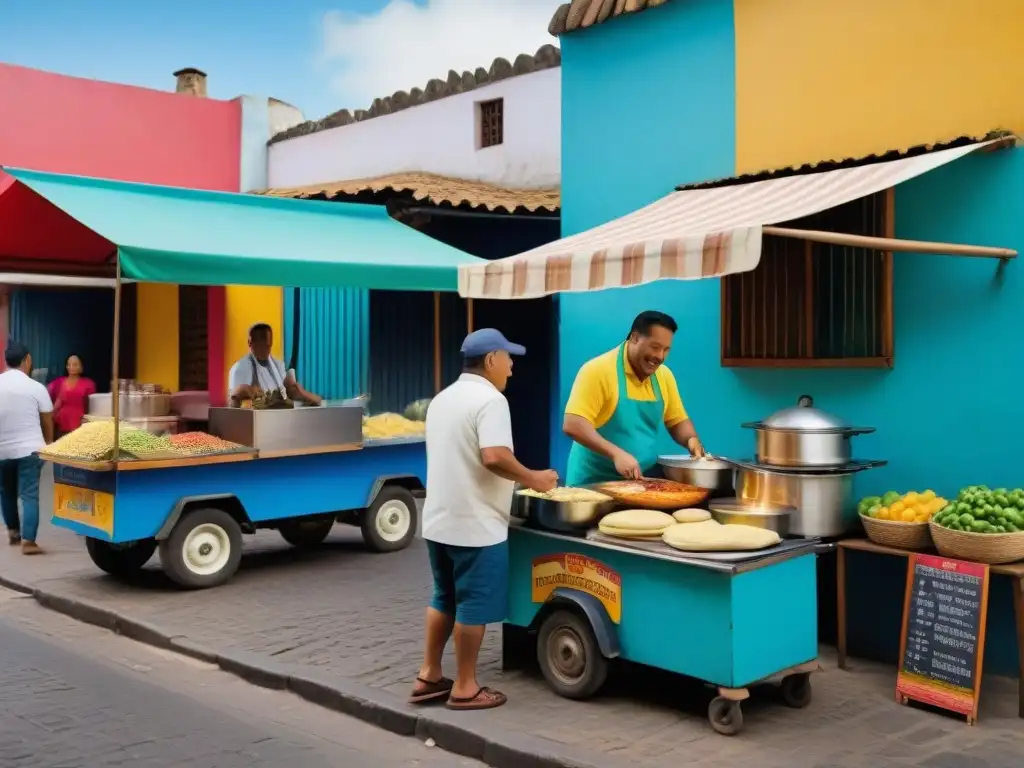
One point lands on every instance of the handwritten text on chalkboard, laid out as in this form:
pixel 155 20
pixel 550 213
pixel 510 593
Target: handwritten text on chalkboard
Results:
pixel 944 632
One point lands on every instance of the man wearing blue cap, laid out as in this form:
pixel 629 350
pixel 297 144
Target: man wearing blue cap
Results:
pixel 471 476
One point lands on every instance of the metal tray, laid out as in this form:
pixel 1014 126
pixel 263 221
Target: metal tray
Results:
pixel 661 548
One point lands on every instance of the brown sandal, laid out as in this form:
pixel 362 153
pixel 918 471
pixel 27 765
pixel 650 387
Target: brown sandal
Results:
pixel 485 698
pixel 431 691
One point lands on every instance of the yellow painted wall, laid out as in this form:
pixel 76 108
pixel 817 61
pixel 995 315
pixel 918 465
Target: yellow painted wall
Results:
pixel 245 305
pixel 157 328
pixel 831 79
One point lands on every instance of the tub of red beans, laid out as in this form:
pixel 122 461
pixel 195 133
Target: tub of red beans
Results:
pixel 202 444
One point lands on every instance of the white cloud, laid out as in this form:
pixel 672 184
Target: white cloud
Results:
pixel 405 45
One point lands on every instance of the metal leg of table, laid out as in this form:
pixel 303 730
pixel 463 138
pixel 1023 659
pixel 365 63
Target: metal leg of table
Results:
pixel 1018 612
pixel 841 606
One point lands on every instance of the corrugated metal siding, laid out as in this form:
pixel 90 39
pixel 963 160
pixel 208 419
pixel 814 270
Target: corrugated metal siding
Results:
pixel 334 341
pixel 56 323
pixel 401 348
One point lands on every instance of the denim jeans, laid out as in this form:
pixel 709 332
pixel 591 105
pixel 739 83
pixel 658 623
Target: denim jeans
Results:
pixel 19 479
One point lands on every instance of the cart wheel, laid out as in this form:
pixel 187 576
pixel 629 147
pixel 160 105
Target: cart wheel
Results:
pixel 796 690
pixel 203 550
pixel 120 560
pixel 569 656
pixel 725 716
pixel 305 533
pixel 389 524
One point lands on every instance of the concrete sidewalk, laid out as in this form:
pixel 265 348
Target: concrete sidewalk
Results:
pixel 343 627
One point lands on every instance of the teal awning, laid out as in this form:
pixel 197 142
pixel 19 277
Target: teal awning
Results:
pixel 194 237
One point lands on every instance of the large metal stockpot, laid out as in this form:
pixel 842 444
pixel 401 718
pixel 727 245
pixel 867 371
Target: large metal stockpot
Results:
pixel 804 436
pixel 823 500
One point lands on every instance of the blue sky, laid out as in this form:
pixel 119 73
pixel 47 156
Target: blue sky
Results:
pixel 319 55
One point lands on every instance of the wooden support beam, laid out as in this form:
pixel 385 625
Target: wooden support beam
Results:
pixel 892 244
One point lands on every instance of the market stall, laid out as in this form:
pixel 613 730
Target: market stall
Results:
pixel 130 487
pixel 716 606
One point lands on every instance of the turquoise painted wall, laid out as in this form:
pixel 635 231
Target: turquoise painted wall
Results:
pixel 647 103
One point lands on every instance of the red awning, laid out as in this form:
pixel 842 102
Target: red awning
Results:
pixel 36 235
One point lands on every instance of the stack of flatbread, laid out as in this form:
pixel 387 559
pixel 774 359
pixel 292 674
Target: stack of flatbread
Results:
pixel 712 536
pixel 636 524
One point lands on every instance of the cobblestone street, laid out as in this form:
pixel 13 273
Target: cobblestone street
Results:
pixel 73 695
pixel 355 615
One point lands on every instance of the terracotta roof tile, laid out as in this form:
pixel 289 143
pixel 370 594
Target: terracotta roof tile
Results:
pixel 546 57
pixel 434 189
pixel 580 14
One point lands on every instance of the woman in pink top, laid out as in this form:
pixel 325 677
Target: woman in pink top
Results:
pixel 70 395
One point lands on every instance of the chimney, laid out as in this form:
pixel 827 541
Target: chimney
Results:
pixel 191 81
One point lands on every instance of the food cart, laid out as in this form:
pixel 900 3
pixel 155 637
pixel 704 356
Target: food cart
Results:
pixel 579 599
pixel 296 470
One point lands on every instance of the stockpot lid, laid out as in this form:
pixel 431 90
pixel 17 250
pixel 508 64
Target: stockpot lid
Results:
pixel 804 417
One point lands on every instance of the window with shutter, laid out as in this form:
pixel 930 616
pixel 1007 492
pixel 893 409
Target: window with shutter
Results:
pixel 193 348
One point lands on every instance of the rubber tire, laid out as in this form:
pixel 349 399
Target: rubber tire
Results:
pixel 595 665
pixel 305 533
pixel 368 521
pixel 725 716
pixel 171 549
pixel 796 690
pixel 120 562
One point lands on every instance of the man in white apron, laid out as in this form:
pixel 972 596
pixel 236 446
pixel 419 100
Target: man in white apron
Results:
pixel 260 372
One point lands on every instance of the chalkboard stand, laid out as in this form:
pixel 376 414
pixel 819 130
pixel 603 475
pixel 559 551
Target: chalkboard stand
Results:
pixel 925 685
pixel 1013 571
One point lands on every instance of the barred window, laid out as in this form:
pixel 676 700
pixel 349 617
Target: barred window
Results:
pixel 815 305
pixel 492 123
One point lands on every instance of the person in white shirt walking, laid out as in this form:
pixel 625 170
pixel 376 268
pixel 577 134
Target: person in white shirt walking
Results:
pixel 26 426
pixel 471 476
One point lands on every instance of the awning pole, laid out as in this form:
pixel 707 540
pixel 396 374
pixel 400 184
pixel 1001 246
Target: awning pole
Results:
pixel 437 342
pixel 115 395
pixel 469 315
pixel 891 244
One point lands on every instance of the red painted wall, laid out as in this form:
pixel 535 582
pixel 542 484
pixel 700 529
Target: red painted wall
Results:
pixel 70 125
pixel 89 128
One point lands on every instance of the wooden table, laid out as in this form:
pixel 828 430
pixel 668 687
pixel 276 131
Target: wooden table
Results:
pixel 1015 571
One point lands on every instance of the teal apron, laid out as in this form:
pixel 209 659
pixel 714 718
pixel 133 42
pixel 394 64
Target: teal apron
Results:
pixel 633 427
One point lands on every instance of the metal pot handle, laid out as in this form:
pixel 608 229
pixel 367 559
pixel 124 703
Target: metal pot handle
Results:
pixel 853 431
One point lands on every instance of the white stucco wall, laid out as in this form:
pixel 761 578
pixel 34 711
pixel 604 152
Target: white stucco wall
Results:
pixel 438 137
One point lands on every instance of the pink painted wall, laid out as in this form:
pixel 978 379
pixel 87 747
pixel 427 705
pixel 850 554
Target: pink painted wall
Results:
pixel 89 128
pixel 71 125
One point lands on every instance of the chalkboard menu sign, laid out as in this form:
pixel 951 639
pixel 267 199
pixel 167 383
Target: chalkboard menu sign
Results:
pixel 943 637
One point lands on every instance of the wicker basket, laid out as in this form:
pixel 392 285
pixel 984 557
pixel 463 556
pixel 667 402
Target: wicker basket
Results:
pixel 991 548
pixel 889 533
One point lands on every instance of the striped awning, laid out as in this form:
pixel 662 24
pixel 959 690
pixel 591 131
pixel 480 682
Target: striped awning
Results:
pixel 687 235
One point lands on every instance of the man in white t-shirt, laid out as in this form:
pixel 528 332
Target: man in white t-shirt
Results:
pixel 471 476
pixel 26 426
pixel 260 372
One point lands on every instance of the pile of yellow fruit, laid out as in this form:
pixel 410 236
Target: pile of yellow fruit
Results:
pixel 385 425
pixel 911 507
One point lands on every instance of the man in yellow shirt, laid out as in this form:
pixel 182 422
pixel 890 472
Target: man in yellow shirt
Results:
pixel 619 402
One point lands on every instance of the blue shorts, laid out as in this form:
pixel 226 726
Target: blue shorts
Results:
pixel 470 583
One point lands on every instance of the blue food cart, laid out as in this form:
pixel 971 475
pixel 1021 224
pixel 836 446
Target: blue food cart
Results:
pixel 195 509
pixel 731 620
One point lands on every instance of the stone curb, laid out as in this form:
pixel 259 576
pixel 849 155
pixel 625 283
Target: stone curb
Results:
pixel 480 740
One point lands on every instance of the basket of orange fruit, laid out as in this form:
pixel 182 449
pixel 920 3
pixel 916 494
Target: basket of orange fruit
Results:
pixel 901 519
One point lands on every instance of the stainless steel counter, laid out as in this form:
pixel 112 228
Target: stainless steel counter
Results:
pixel 292 429
pixel 789 549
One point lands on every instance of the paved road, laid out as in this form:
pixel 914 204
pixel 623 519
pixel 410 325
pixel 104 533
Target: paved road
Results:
pixel 72 695
pixel 350 614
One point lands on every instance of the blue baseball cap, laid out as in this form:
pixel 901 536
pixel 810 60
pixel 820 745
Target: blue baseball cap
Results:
pixel 487 340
